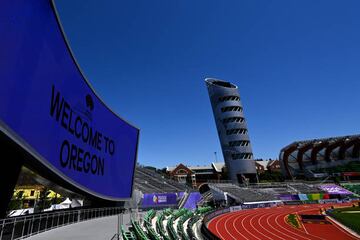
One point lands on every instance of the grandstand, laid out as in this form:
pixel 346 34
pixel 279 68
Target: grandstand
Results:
pixel 353 187
pixel 241 194
pixel 169 225
pixel 149 181
pixel 256 192
pixel 326 155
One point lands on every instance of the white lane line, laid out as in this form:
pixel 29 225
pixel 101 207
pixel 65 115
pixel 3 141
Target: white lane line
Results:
pixel 271 226
pixel 258 221
pixel 297 230
pixel 268 226
pixel 237 216
pixel 218 220
pixel 242 224
pixel 292 232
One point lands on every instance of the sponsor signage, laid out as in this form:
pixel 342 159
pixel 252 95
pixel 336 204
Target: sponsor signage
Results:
pixel 159 199
pixel 257 205
pixel 293 202
pixel 235 208
pixel 351 174
pixel 49 108
pixel 329 201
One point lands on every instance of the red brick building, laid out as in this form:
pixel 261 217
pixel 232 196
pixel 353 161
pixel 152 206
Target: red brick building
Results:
pixel 196 175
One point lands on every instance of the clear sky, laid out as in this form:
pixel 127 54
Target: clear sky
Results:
pixel 297 65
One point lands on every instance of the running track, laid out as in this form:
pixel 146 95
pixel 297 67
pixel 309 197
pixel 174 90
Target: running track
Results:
pixel 270 224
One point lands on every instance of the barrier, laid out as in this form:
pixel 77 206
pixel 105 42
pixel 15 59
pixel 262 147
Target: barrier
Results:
pixel 215 213
pixel 26 226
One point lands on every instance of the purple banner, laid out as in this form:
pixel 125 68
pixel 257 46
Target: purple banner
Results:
pixel 334 189
pixel 159 199
pixel 193 199
pixel 285 197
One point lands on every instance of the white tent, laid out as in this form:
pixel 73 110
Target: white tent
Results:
pixel 66 203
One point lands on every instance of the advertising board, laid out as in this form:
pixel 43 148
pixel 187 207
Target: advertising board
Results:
pixel 50 110
pixel 159 199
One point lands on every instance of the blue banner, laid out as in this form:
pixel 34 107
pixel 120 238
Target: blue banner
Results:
pixel 49 108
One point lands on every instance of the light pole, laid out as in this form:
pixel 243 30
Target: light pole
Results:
pixel 215 156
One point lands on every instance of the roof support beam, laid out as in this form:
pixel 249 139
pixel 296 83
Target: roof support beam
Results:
pixel 317 148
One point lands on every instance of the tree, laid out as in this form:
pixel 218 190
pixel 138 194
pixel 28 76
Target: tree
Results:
pixel 17 201
pixel 43 202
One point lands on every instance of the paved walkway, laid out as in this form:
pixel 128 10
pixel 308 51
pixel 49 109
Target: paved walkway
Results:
pixel 96 229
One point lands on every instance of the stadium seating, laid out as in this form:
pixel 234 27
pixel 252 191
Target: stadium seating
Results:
pixel 190 225
pixel 286 188
pixel 180 225
pixel 159 223
pixel 139 232
pixel 148 225
pixel 242 194
pixel 203 210
pixel 353 166
pixel 355 188
pixel 197 216
pixel 127 235
pixel 149 181
pixel 305 188
pixel 170 224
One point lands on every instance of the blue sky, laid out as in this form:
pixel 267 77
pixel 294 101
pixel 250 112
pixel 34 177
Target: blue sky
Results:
pixel 297 65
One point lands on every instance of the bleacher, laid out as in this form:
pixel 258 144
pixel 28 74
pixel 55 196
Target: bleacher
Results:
pixel 138 230
pixel 242 194
pixel 148 225
pixel 160 225
pixel 355 188
pixel 287 187
pixel 180 225
pixel 127 235
pixel 305 188
pixel 149 181
pixel 170 224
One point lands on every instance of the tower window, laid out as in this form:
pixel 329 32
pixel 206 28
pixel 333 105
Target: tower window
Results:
pixel 229 98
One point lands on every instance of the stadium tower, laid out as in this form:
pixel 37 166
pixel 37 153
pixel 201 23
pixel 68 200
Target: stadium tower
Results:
pixel 232 130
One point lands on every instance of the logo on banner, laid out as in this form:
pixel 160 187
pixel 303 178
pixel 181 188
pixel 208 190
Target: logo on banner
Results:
pixel 155 199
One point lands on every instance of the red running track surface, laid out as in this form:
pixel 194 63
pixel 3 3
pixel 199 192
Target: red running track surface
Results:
pixel 270 224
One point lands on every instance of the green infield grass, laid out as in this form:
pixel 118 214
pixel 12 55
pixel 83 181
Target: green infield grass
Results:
pixel 350 217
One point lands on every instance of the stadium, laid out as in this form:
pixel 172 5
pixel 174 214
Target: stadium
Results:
pixel 316 157
pixel 73 172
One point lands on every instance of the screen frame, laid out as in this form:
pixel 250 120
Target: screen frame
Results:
pixel 42 166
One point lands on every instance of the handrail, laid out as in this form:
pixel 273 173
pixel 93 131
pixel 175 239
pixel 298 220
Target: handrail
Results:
pixel 25 226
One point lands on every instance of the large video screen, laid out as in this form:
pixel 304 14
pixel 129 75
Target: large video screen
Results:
pixel 49 108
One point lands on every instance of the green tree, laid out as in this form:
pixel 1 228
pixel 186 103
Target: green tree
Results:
pixel 43 202
pixel 17 201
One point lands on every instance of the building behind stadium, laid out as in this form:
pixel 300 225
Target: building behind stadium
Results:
pixel 318 158
pixel 215 172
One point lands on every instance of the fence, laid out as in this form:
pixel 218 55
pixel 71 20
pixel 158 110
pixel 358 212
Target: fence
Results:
pixel 26 226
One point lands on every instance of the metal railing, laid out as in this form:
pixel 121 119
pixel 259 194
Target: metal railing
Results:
pixel 25 226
